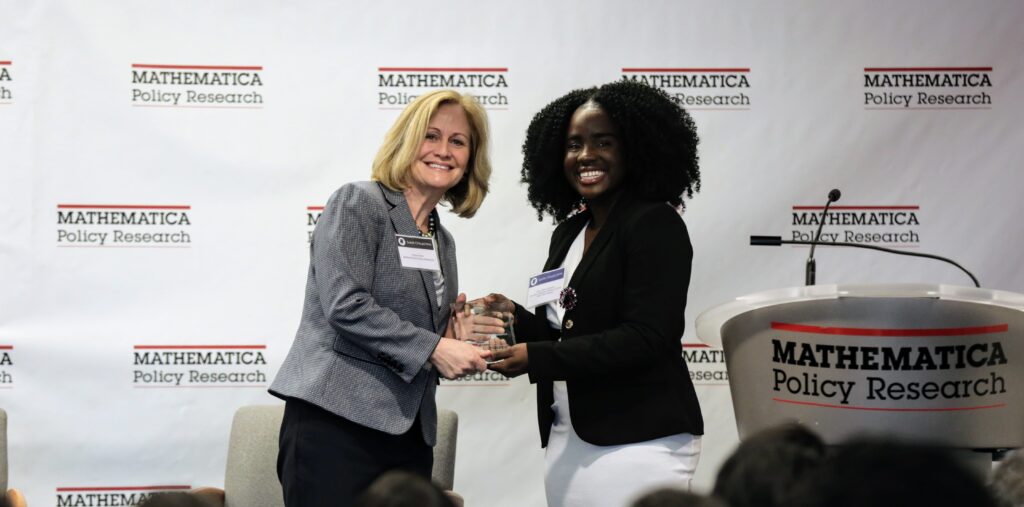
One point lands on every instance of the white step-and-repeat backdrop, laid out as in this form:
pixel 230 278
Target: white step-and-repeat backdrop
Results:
pixel 162 165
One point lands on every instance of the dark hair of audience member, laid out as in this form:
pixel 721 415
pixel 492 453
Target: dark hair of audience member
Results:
pixel 403 489
pixel 884 472
pixel 175 500
pixel 767 465
pixel 671 497
pixel 1007 483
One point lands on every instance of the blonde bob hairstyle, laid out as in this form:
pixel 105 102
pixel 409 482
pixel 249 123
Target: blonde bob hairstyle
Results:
pixel 394 160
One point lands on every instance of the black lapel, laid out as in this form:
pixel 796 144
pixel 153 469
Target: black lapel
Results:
pixel 604 236
pixel 563 239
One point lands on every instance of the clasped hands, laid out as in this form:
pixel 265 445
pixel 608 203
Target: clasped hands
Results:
pixel 470 341
pixel 481 321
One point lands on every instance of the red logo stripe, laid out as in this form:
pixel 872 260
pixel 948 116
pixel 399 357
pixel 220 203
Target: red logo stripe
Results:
pixel 696 346
pixel 196 67
pixel 857 331
pixel 907 207
pixel 122 206
pixel 699 69
pixel 927 69
pixel 198 347
pixel 124 488
pixel 5 62
pixel 442 69
pixel 6 347
pixel 315 208
pixel 883 409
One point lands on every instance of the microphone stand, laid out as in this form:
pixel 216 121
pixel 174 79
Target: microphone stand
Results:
pixel 777 240
pixel 812 265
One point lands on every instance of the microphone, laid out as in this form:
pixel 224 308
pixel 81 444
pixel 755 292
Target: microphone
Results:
pixel 810 271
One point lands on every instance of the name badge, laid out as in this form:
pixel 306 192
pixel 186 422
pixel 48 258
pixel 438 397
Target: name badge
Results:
pixel 416 252
pixel 545 287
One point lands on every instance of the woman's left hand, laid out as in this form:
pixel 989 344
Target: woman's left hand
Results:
pixel 457 307
pixel 512 362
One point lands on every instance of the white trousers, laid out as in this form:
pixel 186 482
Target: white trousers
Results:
pixel 580 474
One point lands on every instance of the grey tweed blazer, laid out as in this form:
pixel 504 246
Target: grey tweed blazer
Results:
pixel 368 325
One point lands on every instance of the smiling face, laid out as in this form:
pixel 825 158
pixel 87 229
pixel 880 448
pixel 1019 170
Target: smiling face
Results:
pixel 593 154
pixel 444 152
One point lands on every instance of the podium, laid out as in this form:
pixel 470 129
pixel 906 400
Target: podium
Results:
pixel 935 363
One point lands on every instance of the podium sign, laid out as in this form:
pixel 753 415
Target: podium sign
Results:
pixel 937 363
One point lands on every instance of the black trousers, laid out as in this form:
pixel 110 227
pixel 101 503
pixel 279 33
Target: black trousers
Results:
pixel 327 461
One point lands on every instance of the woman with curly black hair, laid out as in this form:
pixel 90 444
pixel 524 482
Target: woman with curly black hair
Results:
pixel 617 410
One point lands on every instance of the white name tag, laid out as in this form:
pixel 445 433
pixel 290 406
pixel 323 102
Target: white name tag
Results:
pixel 416 252
pixel 545 287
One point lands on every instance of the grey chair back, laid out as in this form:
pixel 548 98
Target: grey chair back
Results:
pixel 3 452
pixel 251 476
pixel 443 473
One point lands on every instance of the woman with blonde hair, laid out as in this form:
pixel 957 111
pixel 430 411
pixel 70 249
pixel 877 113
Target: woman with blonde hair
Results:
pixel 360 378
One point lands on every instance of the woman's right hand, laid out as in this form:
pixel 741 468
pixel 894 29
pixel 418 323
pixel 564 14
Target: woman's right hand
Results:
pixel 454 358
pixel 477 327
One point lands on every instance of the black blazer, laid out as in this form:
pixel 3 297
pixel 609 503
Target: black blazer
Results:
pixel 621 352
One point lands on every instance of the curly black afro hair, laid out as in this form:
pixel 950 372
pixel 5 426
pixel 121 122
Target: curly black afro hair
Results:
pixel 659 144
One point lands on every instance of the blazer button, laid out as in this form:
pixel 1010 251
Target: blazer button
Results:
pixel 568 324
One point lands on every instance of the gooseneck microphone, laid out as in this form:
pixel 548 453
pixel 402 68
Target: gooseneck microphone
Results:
pixel 812 266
